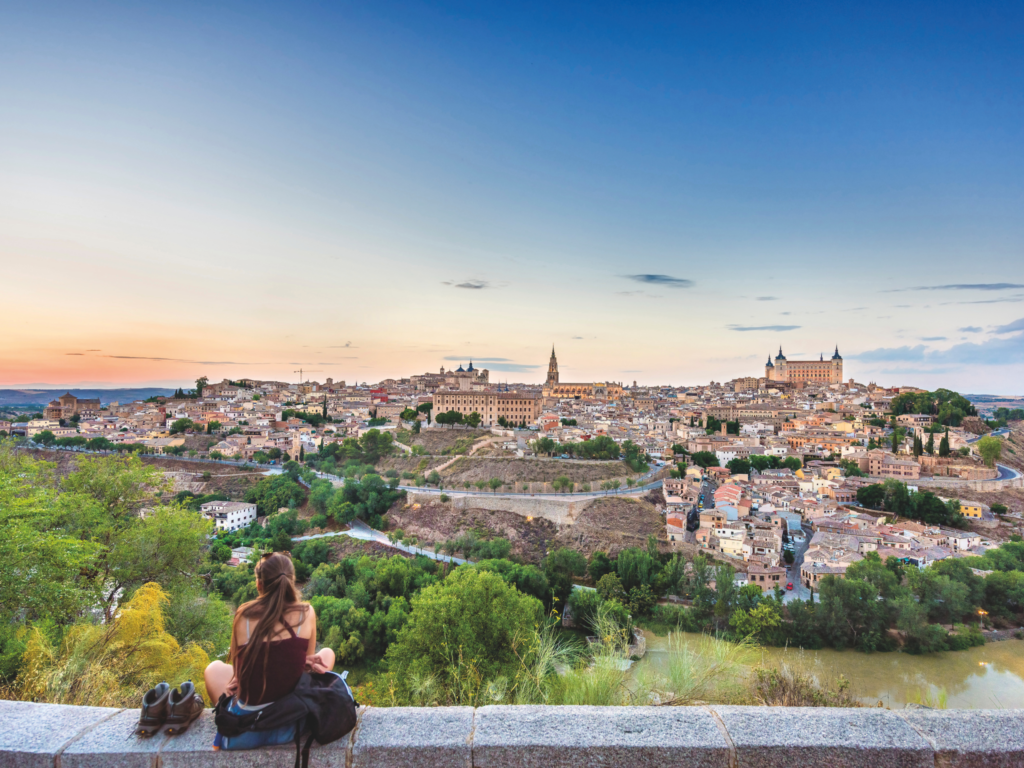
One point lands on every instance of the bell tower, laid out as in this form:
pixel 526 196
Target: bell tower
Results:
pixel 552 369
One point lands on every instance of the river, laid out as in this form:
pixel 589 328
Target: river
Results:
pixel 987 677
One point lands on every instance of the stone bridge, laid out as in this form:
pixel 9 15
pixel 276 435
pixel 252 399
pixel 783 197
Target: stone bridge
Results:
pixel 54 736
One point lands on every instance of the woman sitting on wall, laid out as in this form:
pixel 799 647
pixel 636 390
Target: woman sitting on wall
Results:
pixel 273 641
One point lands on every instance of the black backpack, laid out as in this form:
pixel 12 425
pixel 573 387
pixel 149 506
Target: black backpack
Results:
pixel 321 704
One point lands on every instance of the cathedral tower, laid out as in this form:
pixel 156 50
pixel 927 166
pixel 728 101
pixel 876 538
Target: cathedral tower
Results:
pixel 552 369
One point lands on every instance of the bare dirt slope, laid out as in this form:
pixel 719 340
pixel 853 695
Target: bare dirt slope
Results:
pixel 436 522
pixel 441 440
pixel 613 524
pixel 417 464
pixel 511 470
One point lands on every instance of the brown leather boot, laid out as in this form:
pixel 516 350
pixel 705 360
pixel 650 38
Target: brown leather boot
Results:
pixel 155 708
pixel 185 707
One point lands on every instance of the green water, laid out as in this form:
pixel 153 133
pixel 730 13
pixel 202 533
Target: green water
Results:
pixel 988 677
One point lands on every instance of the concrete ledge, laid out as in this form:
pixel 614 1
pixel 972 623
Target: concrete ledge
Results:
pixel 823 737
pixel 971 738
pixel 440 737
pixel 567 737
pixel 52 736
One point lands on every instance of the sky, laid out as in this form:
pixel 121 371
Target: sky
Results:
pixel 665 193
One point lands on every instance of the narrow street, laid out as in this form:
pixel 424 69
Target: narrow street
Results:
pixel 799 592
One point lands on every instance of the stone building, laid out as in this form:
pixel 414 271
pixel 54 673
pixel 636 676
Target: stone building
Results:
pixel 805 371
pixel 579 390
pixel 516 407
pixel 67 405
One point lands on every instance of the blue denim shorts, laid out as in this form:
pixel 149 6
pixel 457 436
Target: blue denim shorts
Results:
pixel 254 739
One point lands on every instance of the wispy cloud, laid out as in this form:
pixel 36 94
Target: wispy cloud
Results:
pixel 933 338
pixel 464 358
pixel 767 298
pixel 1016 325
pixel 75 354
pixel 763 327
pixel 472 285
pixel 182 360
pixel 969 329
pixel 664 280
pixel 996 351
pixel 1005 300
pixel 960 287
pixel 346 345
pixel 577 338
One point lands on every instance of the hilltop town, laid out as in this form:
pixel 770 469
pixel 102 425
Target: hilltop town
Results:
pixel 781 473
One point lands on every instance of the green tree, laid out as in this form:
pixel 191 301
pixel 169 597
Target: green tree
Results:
pixel 562 483
pixel 473 420
pixel 544 445
pixel 609 587
pixel 704 459
pixel 425 408
pixel 758 622
pixel 931 444
pixel 46 437
pixel 636 567
pixel 495 483
pixel 739 467
pixel 944 445
pixel 990 448
pixel 464 632
pixel 792 463
pixel 599 565
pixel 561 567
pixel 181 425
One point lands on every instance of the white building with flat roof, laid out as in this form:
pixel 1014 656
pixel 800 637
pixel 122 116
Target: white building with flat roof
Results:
pixel 229 515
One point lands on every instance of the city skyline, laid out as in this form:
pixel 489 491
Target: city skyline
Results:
pixel 667 194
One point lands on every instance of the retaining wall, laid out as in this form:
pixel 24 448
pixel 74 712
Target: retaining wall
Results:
pixel 38 735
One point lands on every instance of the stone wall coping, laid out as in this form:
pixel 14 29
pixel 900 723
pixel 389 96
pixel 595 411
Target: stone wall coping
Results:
pixel 57 736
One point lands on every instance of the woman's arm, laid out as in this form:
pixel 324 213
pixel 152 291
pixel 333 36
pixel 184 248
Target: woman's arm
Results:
pixel 317 662
pixel 311 617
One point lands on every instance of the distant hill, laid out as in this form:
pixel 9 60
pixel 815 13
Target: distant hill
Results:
pixel 41 397
pixel 988 403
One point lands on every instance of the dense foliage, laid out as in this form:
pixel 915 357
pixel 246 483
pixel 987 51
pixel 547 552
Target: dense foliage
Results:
pixel 944 405
pixel 893 496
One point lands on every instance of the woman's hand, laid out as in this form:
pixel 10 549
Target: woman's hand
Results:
pixel 318 662
pixel 232 689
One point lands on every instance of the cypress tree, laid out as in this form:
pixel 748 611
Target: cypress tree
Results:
pixel 931 443
pixel 944 445
pixel 895 441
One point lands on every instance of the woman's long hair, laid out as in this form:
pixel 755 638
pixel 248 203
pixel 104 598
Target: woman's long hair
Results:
pixel 276 574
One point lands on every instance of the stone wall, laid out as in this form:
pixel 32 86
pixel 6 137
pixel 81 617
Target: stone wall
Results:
pixel 52 736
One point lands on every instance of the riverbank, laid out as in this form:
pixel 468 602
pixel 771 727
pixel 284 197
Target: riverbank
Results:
pixel 986 677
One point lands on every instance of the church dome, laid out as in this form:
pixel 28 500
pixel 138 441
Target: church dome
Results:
pixel 770 363
pixel 470 369
pixel 837 356
pixel 780 356
pixel 460 369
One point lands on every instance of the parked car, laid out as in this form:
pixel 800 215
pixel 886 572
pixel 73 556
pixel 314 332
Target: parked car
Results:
pixel 789 586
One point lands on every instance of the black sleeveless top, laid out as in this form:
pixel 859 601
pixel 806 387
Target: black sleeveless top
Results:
pixel 285 662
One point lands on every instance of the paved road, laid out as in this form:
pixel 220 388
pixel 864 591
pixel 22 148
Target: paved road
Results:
pixel 361 530
pixel 638 489
pixel 800 592
pixel 1007 473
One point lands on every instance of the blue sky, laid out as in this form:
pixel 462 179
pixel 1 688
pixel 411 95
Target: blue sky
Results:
pixel 665 193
